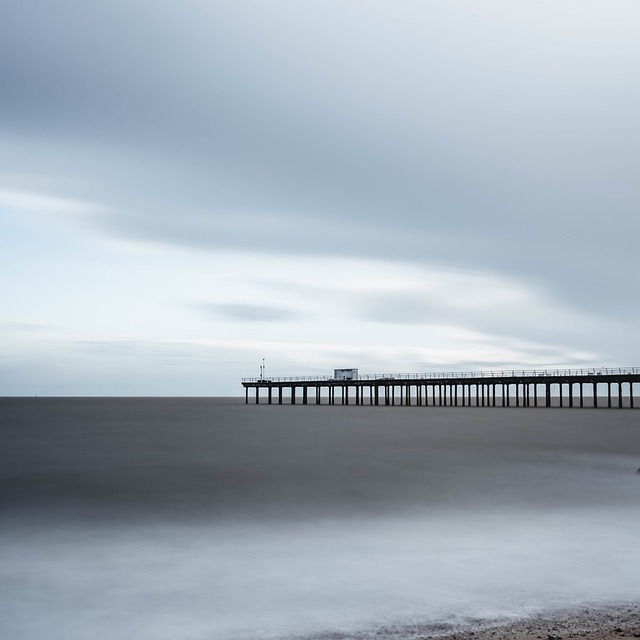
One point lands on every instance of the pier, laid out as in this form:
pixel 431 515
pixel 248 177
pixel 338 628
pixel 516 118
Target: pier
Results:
pixel 510 388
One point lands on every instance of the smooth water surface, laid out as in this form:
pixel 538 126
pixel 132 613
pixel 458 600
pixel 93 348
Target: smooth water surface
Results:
pixel 209 519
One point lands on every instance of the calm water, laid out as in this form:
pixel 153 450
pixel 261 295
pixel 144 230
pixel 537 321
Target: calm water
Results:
pixel 209 519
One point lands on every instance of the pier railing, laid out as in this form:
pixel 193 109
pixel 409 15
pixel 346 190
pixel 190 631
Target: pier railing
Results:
pixel 504 373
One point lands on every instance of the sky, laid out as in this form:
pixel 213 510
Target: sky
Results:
pixel 189 187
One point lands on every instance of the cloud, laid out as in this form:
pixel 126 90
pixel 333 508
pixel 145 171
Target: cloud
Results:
pixel 252 312
pixel 43 203
pixel 439 137
pixel 23 326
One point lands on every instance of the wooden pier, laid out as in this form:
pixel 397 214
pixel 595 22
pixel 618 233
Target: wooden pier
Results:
pixel 534 388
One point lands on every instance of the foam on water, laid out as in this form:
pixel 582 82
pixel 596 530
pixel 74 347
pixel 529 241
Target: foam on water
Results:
pixel 217 581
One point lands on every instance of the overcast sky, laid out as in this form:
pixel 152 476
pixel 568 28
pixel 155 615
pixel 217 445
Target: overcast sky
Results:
pixel 189 187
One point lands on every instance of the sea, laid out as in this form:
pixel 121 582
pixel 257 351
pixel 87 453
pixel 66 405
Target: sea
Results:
pixel 209 519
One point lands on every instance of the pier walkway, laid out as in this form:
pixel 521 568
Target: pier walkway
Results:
pixel 512 388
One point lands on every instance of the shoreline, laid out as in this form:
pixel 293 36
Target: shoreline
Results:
pixel 615 622
pixel 594 623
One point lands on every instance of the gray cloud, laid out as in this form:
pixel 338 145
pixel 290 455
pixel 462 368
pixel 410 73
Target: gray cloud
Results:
pixel 423 135
pixel 251 312
pixel 23 326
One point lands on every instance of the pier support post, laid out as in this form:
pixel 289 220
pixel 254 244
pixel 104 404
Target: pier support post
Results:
pixel 595 395
pixel 571 395
pixel 560 385
pixel 581 395
pixel 548 393
pixel 620 404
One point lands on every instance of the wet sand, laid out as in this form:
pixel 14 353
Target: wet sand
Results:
pixel 595 623
pixel 608 624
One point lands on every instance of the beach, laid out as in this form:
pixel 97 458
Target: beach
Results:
pixel 591 624
pixel 208 518
pixel 612 623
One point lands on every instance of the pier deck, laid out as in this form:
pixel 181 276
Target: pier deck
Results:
pixel 532 388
